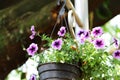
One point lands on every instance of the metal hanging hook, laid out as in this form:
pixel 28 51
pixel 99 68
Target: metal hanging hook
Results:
pixel 62 10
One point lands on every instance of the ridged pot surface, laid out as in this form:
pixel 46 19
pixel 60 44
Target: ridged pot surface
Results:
pixel 58 71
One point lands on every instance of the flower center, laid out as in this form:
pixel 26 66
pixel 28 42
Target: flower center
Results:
pixel 97 31
pixel 99 43
pixel 57 44
pixel 33 78
pixel 115 41
pixel 87 34
pixel 80 33
pixel 62 31
pixel 32 49
pixel 117 53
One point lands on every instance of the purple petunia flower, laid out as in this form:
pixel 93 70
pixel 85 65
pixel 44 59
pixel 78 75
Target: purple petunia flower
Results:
pixel 57 44
pixel 32 28
pixel 32 37
pixel 82 39
pixel 116 54
pixel 97 31
pixel 81 32
pixel 62 31
pixel 82 35
pixel 33 32
pixel 99 43
pixel 86 34
pixel 33 77
pixel 32 49
pixel 116 43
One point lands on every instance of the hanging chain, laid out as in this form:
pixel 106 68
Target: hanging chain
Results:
pixel 61 12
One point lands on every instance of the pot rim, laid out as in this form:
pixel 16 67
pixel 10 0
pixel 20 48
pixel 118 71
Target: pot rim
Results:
pixel 58 63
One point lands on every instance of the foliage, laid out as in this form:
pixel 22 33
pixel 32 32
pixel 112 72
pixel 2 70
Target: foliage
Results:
pixel 66 54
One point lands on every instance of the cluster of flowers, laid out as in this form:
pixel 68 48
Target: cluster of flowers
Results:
pixel 93 37
pixel 82 36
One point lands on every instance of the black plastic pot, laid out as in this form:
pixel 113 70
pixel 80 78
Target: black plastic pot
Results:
pixel 58 71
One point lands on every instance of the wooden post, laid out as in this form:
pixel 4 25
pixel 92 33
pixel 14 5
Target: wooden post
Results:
pixel 81 7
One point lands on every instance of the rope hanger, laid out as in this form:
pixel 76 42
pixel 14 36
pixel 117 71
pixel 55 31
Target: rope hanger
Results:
pixel 72 18
pixel 70 6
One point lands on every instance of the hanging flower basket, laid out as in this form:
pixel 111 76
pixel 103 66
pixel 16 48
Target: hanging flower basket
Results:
pixel 75 56
pixel 58 71
pixel 59 60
